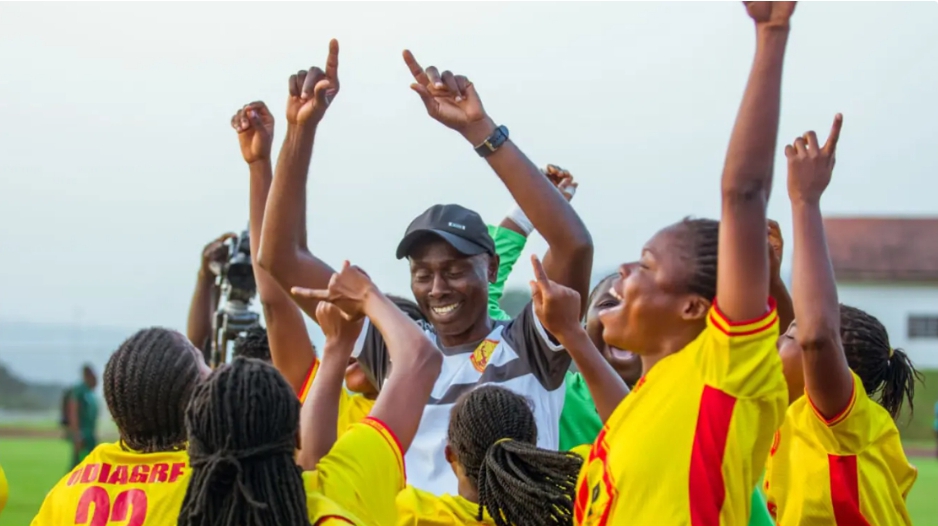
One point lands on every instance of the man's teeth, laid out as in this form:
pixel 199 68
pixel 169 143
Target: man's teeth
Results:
pixel 445 309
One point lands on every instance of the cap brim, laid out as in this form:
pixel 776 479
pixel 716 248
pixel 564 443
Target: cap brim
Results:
pixel 463 246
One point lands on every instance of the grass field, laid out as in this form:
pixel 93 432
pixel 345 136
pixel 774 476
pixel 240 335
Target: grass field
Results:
pixel 33 466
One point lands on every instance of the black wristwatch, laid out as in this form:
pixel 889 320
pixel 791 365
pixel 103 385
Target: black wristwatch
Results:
pixel 494 142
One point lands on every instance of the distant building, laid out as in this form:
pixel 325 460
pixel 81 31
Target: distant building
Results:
pixel 889 268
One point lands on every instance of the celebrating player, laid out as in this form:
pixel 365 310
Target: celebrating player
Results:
pixel 504 478
pixel 141 478
pixel 838 457
pixel 713 391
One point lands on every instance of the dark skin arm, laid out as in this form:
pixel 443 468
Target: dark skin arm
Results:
pixel 283 250
pixel 828 381
pixel 416 359
pixel 743 272
pixel 777 288
pixel 202 307
pixel 557 308
pixel 290 347
pixel 320 414
pixel 452 100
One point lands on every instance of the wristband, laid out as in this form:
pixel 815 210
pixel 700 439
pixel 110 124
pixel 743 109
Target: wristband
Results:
pixel 519 218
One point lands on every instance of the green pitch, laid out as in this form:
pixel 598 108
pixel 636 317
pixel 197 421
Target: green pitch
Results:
pixel 33 466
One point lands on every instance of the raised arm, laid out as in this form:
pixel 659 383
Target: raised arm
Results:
pixel 290 347
pixel 511 235
pixel 557 308
pixel 453 101
pixel 828 381
pixel 320 414
pixel 283 250
pixel 743 270
pixel 202 306
pixel 416 359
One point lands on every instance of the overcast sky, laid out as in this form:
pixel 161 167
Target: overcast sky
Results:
pixel 118 163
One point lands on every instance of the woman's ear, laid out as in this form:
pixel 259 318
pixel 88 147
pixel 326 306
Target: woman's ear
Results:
pixel 695 308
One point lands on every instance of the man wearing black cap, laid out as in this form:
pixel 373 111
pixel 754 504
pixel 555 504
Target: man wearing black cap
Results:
pixel 452 261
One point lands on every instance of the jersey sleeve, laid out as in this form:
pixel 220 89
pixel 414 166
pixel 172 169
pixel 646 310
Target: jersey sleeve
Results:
pixel 740 358
pixel 364 472
pixel 308 381
pixel 860 424
pixel 372 354
pixel 508 246
pixel 548 360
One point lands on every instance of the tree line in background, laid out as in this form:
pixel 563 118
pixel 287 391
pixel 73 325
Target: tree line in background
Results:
pixel 18 394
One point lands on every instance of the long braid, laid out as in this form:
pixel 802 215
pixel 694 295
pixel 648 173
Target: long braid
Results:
pixel 147 383
pixel 243 425
pixel 887 374
pixel 494 435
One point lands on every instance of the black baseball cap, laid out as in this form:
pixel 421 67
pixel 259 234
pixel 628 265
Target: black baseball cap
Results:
pixel 462 228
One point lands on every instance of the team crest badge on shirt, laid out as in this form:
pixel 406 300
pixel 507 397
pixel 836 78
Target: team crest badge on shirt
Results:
pixel 596 495
pixel 483 353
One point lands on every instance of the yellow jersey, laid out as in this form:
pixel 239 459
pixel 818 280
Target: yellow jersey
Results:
pixel 420 508
pixel 849 470
pixel 115 486
pixel 358 481
pixel 688 444
pixel 353 408
pixel 4 490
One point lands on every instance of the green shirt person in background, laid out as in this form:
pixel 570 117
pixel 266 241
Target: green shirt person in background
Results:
pixel 579 420
pixel 82 416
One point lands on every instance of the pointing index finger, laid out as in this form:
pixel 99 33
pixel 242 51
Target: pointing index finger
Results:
pixel 314 294
pixel 831 145
pixel 539 274
pixel 419 74
pixel 332 61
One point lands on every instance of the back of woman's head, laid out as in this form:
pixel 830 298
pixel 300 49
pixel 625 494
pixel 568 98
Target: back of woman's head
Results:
pixel 493 434
pixel 887 374
pixel 147 383
pixel 243 424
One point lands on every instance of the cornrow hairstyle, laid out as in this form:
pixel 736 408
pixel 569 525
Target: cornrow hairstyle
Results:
pixel 887 374
pixel 704 236
pixel 243 424
pixel 147 383
pixel 411 309
pixel 253 343
pixel 593 293
pixel 493 433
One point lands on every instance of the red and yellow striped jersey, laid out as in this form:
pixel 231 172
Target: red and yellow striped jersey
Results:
pixel 687 446
pixel 850 470
pixel 353 408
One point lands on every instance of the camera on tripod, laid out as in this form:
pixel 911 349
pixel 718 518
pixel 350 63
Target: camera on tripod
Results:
pixel 236 289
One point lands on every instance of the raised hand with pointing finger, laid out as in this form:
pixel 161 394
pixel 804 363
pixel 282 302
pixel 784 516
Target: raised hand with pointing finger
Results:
pixel 313 90
pixel 810 165
pixel 348 290
pixel 450 99
pixel 557 306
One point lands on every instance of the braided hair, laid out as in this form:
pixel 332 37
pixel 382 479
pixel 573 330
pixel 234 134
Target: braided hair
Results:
pixel 147 383
pixel 243 424
pixel 704 235
pixel 253 343
pixel 887 374
pixel 493 433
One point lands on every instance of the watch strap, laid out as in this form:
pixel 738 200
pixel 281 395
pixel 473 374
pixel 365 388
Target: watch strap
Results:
pixel 494 142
